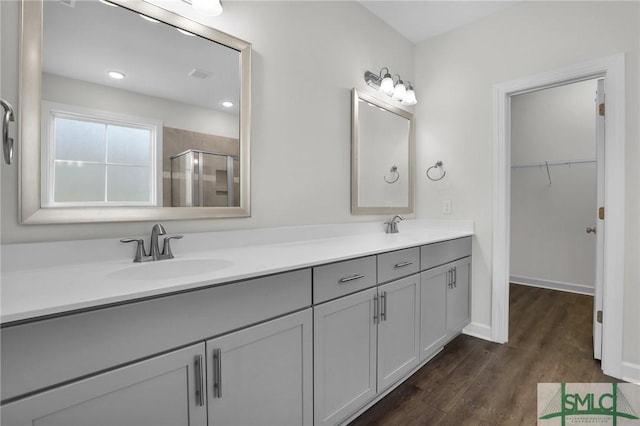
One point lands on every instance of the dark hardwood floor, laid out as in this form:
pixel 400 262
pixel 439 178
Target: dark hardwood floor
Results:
pixel 475 382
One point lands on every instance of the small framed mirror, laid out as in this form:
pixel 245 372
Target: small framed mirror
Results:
pixel 131 112
pixel 382 147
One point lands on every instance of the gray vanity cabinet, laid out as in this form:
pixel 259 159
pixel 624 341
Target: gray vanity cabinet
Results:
pixel 445 288
pixel 433 310
pixel 262 375
pixel 164 390
pixel 398 329
pixel 345 355
pixel 458 298
pixel 364 343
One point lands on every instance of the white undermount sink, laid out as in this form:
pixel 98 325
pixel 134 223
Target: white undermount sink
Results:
pixel 167 269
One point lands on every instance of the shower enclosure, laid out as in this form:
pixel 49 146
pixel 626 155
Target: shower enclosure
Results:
pixel 205 179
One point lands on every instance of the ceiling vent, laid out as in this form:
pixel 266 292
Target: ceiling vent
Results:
pixel 196 73
pixel 70 3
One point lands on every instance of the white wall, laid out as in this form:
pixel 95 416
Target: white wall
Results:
pixel 549 244
pixel 456 74
pixel 307 56
pixel 64 90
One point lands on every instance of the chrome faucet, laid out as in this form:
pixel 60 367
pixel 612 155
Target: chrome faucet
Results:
pixel 392 225
pixel 157 229
pixel 154 251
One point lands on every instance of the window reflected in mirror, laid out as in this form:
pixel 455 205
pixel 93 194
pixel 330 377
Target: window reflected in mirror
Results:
pixel 120 97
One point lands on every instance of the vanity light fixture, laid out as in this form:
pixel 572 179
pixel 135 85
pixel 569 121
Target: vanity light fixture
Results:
pixel 116 75
pixel 386 84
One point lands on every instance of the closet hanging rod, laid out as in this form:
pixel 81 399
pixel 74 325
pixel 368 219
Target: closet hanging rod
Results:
pixel 554 163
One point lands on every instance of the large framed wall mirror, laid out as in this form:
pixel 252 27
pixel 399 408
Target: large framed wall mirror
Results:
pixel 131 112
pixel 382 147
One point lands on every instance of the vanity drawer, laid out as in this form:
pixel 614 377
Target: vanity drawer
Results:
pixel 436 254
pixel 44 353
pixel 398 264
pixel 342 278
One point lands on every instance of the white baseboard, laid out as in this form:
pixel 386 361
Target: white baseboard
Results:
pixel 553 285
pixel 478 330
pixel 631 372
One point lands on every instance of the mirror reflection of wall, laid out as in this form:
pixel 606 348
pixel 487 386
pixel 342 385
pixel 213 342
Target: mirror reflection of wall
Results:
pixel 382 146
pixel 382 131
pixel 172 80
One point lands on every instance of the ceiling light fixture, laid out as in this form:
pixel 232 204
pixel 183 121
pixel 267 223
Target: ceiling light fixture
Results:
pixel 227 104
pixel 116 75
pixel 396 89
pixel 207 7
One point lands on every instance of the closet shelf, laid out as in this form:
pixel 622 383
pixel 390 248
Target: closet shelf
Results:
pixel 554 163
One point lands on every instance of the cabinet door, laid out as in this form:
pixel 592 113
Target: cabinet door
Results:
pixel 433 310
pixel 458 308
pixel 262 375
pixel 398 329
pixel 159 391
pixel 344 356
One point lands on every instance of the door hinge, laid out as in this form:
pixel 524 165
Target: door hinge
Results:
pixel 599 316
pixel 601 109
pixel 601 213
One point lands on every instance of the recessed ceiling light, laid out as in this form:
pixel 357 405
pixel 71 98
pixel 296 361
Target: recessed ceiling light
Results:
pixel 187 33
pixel 147 18
pixel 227 104
pixel 116 75
pixel 108 3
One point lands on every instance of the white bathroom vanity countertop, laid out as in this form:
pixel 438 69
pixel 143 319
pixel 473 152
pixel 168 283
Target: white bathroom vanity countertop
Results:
pixel 69 279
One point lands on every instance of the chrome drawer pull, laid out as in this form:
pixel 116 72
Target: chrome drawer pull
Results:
pixel 353 278
pixel 383 309
pixel 403 264
pixel 199 380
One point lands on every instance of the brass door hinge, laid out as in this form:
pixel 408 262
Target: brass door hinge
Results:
pixel 601 109
pixel 599 316
pixel 601 213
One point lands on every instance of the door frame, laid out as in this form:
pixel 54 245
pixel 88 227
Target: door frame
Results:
pixel 612 68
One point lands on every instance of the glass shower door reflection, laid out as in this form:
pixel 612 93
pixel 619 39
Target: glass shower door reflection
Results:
pixel 204 179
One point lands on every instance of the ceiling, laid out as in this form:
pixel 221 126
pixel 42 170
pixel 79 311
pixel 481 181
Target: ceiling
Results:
pixel 82 40
pixel 419 20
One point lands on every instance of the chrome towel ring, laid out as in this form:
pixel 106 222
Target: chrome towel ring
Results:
pixel 438 165
pixel 7 142
pixel 394 175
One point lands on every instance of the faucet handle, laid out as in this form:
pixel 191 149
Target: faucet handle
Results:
pixel 166 247
pixel 140 252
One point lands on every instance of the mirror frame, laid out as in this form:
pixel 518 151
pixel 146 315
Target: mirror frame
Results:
pixel 30 96
pixel 355 167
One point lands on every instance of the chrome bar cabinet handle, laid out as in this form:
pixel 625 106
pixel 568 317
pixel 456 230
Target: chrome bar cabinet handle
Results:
pixel 375 309
pixel 217 373
pixel 199 371
pixel 383 304
pixel 403 264
pixel 352 278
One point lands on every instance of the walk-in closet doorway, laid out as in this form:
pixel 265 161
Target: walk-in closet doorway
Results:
pixel 557 137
